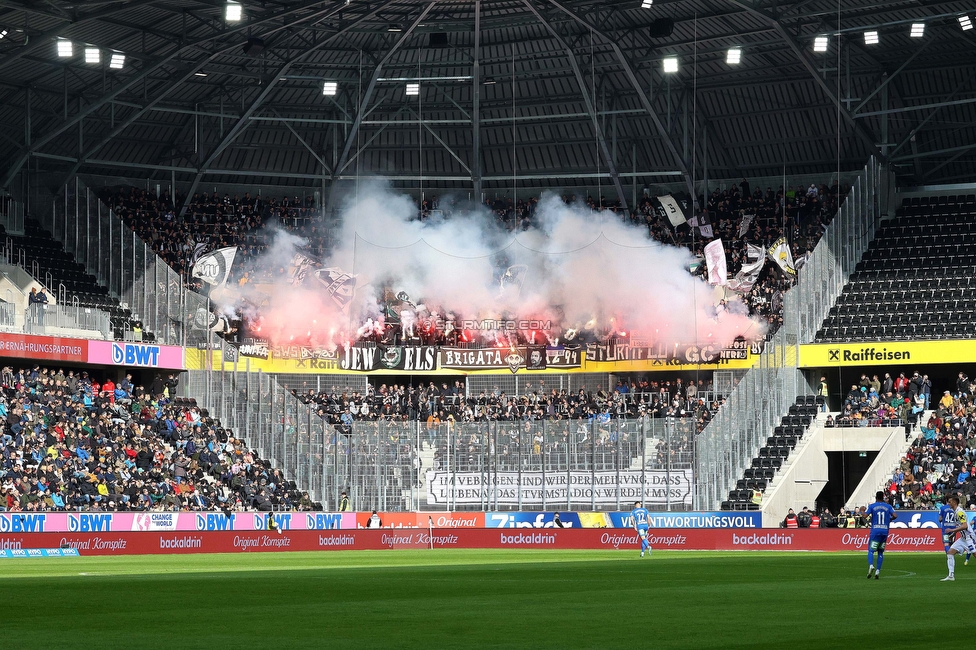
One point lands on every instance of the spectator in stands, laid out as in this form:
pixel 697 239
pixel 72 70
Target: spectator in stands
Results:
pixel 36 302
pixel 962 385
pixel 888 385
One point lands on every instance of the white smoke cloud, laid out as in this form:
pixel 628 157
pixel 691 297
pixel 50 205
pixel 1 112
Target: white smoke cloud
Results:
pixel 582 267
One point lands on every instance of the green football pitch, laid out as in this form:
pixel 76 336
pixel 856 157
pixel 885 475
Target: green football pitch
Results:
pixel 498 599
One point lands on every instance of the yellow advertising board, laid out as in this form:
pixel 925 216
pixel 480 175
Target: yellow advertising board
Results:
pixel 319 364
pixel 880 353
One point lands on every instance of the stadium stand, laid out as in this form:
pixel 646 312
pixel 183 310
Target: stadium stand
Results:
pixel 212 221
pixel 774 454
pixel 448 403
pixel 940 459
pixel 915 280
pixel 45 258
pixel 68 442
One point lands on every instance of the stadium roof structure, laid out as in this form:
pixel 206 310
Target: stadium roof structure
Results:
pixel 550 92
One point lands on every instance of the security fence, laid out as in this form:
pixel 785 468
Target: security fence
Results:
pixel 763 395
pixel 410 465
pixel 123 263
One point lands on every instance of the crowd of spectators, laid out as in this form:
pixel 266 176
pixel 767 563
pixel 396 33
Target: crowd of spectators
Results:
pixel 448 403
pixel 940 460
pixel 875 402
pixel 70 442
pixel 211 220
pixel 215 221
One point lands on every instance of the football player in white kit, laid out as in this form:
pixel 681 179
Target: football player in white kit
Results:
pixel 954 521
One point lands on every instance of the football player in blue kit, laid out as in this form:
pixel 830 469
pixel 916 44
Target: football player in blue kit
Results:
pixel 641 523
pixel 881 515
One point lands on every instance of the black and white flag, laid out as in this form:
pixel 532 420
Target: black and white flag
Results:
pixel 671 210
pixel 340 285
pixel 215 268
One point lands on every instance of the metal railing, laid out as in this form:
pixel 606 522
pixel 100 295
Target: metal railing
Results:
pixel 8 314
pixel 727 445
pixel 12 215
pixel 42 318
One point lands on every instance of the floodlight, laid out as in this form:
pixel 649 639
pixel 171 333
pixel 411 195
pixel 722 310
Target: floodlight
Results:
pixel 965 23
pixel 3 34
pixel 232 12
pixel 413 89
pixel 820 44
pixel 646 4
pixel 918 30
pixel 871 37
pixel 93 55
pixel 117 61
pixel 734 56
pixel 329 88
pixel 65 48
pixel 670 65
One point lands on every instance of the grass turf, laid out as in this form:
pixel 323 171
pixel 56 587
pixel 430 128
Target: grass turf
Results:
pixel 501 599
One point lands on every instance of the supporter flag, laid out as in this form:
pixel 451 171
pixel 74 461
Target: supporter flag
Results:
pixel 780 253
pixel 705 225
pixel 514 277
pixel 744 224
pixel 671 210
pixel 219 324
pixel 746 278
pixel 215 268
pixel 715 260
pixel 198 250
pixel 340 285
pixel 300 265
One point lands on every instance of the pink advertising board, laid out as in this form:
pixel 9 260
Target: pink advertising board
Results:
pixel 137 355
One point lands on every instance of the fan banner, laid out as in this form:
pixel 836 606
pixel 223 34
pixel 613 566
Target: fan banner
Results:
pixel 515 359
pixel 715 260
pixel 780 253
pixel 215 268
pixel 671 210
pixel 653 487
pixel 744 224
pixel 340 285
pixel 746 278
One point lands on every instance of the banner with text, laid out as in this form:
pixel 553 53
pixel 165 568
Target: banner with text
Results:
pixel 535 488
pixel 687 539
pixel 887 353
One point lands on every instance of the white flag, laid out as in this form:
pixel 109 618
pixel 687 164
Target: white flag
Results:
pixel 215 268
pixel 780 253
pixel 299 268
pixel 746 278
pixel 672 210
pixel 715 259
pixel 745 223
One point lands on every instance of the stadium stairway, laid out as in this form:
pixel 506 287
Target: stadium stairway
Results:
pixel 801 480
pixel 881 470
pixel 45 258
pixel 775 456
